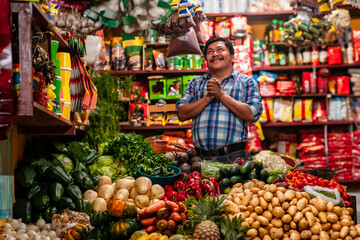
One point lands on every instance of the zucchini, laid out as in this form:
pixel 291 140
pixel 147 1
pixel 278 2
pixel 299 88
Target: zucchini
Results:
pixel 83 205
pixel 41 201
pixel 65 202
pixel 33 190
pixel 303 26
pixel 26 176
pixel 247 167
pixel 56 191
pixel 252 175
pixel 307 35
pixel 56 173
pixel 22 209
pixel 314 31
pixel 73 192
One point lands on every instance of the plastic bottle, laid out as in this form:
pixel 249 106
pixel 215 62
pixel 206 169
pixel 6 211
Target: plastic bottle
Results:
pixel 299 57
pixel 315 59
pixel 323 55
pixel 291 57
pixel 266 36
pixel 343 52
pixel 275 32
pixel 273 56
pixel 306 56
pixel 350 53
pixel 282 56
pixel 282 31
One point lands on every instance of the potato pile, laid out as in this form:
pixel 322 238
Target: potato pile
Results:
pixel 277 213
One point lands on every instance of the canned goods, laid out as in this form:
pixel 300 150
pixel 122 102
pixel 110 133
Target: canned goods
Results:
pixel 188 62
pixel 179 65
pixel 197 62
pixel 150 36
pixel 171 63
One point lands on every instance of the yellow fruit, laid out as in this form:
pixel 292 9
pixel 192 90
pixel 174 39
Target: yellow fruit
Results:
pixel 142 238
pixel 138 234
pixel 154 236
pixel 164 237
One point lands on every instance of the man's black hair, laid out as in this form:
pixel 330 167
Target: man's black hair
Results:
pixel 228 44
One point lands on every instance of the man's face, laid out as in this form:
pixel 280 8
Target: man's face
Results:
pixel 218 56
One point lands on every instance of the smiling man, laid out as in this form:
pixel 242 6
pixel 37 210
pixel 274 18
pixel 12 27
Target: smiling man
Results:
pixel 221 104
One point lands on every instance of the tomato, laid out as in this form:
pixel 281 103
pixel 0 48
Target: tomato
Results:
pixel 347 203
pixel 344 195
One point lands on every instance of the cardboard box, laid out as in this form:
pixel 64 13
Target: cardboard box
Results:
pixel 185 80
pixel 157 88
pixel 173 87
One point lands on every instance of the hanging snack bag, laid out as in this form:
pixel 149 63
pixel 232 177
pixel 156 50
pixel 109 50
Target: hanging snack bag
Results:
pixel 238 27
pixel 133 51
pixel 118 58
pixel 222 27
pixel 159 57
pixel 303 110
pixel 343 85
pixel 268 112
pixel 148 59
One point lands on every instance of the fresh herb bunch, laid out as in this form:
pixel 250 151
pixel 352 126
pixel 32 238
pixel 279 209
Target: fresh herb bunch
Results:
pixel 104 121
pixel 133 151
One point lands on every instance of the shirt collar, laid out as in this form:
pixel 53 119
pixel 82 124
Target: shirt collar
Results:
pixel 231 76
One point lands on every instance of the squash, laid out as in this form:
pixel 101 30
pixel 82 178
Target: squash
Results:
pixel 98 234
pixel 22 209
pixel 26 176
pixel 41 201
pixel 83 180
pixel 123 229
pixel 48 213
pixel 65 202
pixel 77 232
pixel 56 191
pixel 34 189
pixel 121 209
pixel 136 235
pixel 74 192
pixel 83 205
pixel 100 218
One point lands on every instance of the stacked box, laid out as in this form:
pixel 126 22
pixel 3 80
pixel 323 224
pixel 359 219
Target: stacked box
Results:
pixel 185 80
pixel 173 87
pixel 157 88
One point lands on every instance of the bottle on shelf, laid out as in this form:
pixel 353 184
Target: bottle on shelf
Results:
pixel 282 31
pixel 315 59
pixel 282 56
pixel 273 56
pixel 291 57
pixel 348 34
pixel 343 52
pixel 306 56
pixel 323 55
pixel 275 31
pixel 350 53
pixel 299 57
pixel 266 36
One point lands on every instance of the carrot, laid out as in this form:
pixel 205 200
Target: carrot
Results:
pixel 182 207
pixel 175 216
pixel 171 225
pixel 152 209
pixel 149 221
pixel 168 233
pixel 163 213
pixel 183 216
pixel 161 224
pixel 172 206
pixel 141 213
pixel 150 229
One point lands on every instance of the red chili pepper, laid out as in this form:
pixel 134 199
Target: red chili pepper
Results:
pixel 196 175
pixel 170 193
pixel 347 203
pixel 216 185
pixel 344 196
pixel 198 193
pixel 207 187
pixel 191 185
pixel 183 177
pixel 179 186
pixel 181 196
pixel 165 198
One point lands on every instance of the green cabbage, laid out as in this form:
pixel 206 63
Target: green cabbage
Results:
pixel 105 160
pixel 64 161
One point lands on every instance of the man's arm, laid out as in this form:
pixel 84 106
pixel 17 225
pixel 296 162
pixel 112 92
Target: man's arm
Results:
pixel 191 110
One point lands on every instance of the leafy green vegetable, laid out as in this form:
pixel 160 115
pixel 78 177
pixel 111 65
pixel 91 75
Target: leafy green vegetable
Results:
pixel 211 169
pixel 105 160
pixel 275 172
pixel 133 151
pixel 64 161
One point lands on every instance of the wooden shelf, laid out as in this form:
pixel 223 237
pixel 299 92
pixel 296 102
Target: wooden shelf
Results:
pixel 303 67
pixel 44 122
pixel 255 15
pixel 142 72
pixel 43 22
pixel 125 127
pixel 349 181
pixel 316 95
pixel 292 124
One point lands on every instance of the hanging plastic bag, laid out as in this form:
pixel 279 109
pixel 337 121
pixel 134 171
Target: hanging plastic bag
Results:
pixel 186 44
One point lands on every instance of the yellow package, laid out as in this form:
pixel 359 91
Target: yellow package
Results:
pixel 172 119
pixel 156 119
pixel 268 110
pixel 283 110
pixel 260 131
pixel 133 52
pixel 303 110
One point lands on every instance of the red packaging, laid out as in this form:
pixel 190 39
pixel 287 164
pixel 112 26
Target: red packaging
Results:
pixel 308 82
pixel 322 84
pixel 356 40
pixel 211 26
pixel 319 111
pixel 334 55
pixel 343 85
pixel 222 27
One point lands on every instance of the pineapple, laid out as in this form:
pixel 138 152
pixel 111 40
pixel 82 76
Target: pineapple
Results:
pixel 206 214
pixel 231 228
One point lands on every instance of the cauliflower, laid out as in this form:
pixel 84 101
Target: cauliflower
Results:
pixel 271 162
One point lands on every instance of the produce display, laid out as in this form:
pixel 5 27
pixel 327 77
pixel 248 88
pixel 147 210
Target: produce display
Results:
pixel 62 192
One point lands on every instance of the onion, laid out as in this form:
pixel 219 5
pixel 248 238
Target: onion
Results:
pixel 22 226
pixel 33 228
pixel 32 233
pixel 47 226
pixel 21 236
pixel 40 223
pixel 44 233
pixel 7 226
pixel 14 224
pixel 52 234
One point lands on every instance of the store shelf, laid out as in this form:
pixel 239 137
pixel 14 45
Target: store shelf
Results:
pixel 349 181
pixel 305 67
pixel 292 124
pixel 44 122
pixel 124 127
pixel 43 22
pixel 255 15
pixel 297 96
pixel 142 72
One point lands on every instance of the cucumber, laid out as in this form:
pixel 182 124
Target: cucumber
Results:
pixel 264 175
pixel 235 170
pixel 224 172
pixel 225 182
pixel 235 180
pixel 247 167
pixel 252 175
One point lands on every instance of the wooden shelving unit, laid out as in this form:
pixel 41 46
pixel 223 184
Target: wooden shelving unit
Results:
pixel 142 72
pixel 263 16
pixel 305 67
pixel 291 124
pixel 127 127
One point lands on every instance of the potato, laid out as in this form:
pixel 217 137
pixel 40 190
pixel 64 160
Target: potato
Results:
pixel 230 198
pixel 305 234
pixel 255 190
pixel 263 220
pixel 315 237
pixel 99 205
pixel 326 226
pixel 310 218
pixel 298 216
pixel 292 210
pixel 350 210
pixel 276 233
pixel 278 212
pixel 267 215
pixel 285 205
pixel 270 207
pixel 261 185
pixel 272 188
pixel 253 215
pixel 261 193
pixel 324 236
pixel 267 237
pixel 252 233
pixel 241 208
pixel 142 185
pixel 249 221
pixel 90 195
pixel 262 232
pixel 338 211
pixel 293 225
pixel 320 204
pixel 294 235
pixel 286 227
pixel 336 227
pixel 348 238
pixel 302 204
pixel 105 191
pixel 258 210
pixel 289 195
pixel 316 229
pixel 276 222
pixel 286 218
pixel 298 195
pixel 322 217
pixel 306 195
pixel 332 217
pixel 294 201
pixel 305 210
pixel 250 208
pixel 352 232
pixel 263 203
pixel 256 238
pixel 254 202
pixel 104 180
pixel 125 183
pixel 231 206
pixel 245 214
pixel 256 225
pixel 268 196
pixel 245 200
pixel 335 235
pixel 275 202
pixel 314 210
pixel 122 194
pixel 344 231
pixel 330 206
pixel 303 224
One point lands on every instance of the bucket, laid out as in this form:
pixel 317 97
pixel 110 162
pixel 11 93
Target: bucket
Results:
pixel 159 146
pixel 64 59
pixel 66 110
pixel 65 76
pixel 54 48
